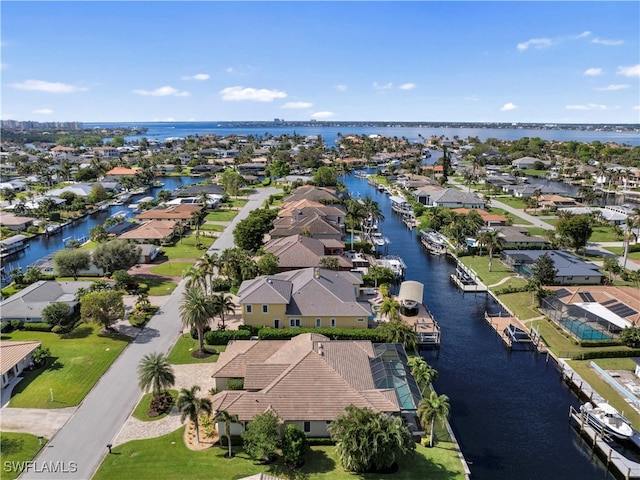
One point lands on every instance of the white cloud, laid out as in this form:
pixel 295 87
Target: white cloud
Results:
pixel 611 43
pixel 166 91
pixel 535 43
pixel 378 86
pixel 630 71
pixel 322 115
pixel 636 107
pixel 43 111
pixel 297 105
pixel 49 87
pixel 341 88
pixel 584 34
pixel 237 94
pixel 197 76
pixel 407 86
pixel 588 106
pixel 593 72
pixel 612 87
pixel 508 106
pixel 229 70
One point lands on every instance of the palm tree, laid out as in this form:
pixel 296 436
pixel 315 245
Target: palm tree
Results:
pixel 355 215
pixel 196 277
pixel 422 372
pixel 537 193
pixel 399 332
pixel 373 213
pixel 155 373
pixel 492 240
pixel 210 265
pixel 223 304
pixel 390 307
pixel 432 408
pixel 191 406
pixel 228 419
pixel 196 310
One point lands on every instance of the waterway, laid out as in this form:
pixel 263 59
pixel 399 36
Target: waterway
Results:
pixel 508 410
pixel 44 245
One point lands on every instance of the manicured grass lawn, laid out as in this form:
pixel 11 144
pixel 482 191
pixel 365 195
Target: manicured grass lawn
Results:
pixel 237 203
pixel 480 264
pixel 535 173
pixel 620 251
pixel 77 361
pixel 142 408
pixel 520 304
pixel 187 247
pixel 221 215
pixel 381 179
pixel 514 202
pixel 514 282
pixel 156 286
pixel 185 346
pixel 604 234
pixel 550 221
pixel 212 227
pixel 171 269
pixel 16 448
pixel 516 219
pixel 168 457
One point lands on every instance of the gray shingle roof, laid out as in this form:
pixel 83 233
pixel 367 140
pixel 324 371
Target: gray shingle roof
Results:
pixel 453 195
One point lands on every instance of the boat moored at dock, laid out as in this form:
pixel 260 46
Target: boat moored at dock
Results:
pixel 607 420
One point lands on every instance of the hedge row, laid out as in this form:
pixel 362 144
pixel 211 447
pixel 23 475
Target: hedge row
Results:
pixel 607 354
pixel 374 336
pixel 38 326
pixel 222 337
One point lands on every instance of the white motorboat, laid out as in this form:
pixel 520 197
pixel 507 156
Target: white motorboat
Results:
pixel 604 418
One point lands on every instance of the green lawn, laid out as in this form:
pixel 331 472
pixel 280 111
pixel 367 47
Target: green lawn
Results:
pixel 212 227
pixel 142 408
pixel 171 269
pixel 157 287
pixel 237 203
pixel 620 251
pixel 480 264
pixel 17 448
pixel 186 248
pixel 520 304
pixel 515 202
pixel 181 351
pixel 550 221
pixel 77 361
pixel 537 231
pixel 168 457
pixel 604 234
pixel 515 218
pixel 221 215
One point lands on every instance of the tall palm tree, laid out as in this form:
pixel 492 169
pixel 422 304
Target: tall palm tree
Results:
pixel 373 213
pixel 191 406
pixel 435 407
pixel 210 264
pixel 155 373
pixel 355 215
pixel 196 277
pixel 390 306
pixel 399 332
pixel 196 310
pixel 492 240
pixel 422 372
pixel 537 193
pixel 228 419
pixel 223 304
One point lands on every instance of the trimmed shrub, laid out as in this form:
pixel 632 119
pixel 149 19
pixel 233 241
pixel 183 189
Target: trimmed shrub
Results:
pixel 194 332
pixel 16 324
pixel 321 441
pixel 333 333
pixel 139 319
pixel 5 327
pixel 251 328
pixel 37 327
pixel 62 329
pixel 235 384
pixel 607 354
pixel 222 337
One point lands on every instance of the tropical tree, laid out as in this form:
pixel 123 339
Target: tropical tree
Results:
pixel 611 265
pixel 294 446
pixel 261 439
pixel 396 331
pixel 196 277
pixel 68 262
pixel 492 240
pixel 576 230
pixel 435 407
pixel 102 307
pixel 191 406
pixel 223 304
pixel 390 307
pixel 373 213
pixel 197 309
pixel 228 419
pixel 544 270
pixel 40 355
pixel 156 374
pixel 210 264
pixel 356 215
pixel 422 372
pixel 116 255
pixel 369 441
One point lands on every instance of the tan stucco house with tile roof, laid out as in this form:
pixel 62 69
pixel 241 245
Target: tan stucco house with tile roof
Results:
pixel 309 380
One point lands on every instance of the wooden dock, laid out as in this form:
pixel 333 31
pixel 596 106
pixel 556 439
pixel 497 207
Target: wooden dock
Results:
pixel 465 287
pixel 626 467
pixel 425 326
pixel 501 323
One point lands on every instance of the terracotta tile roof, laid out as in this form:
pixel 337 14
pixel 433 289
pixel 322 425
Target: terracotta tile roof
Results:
pixel 314 224
pixel 122 171
pixel 233 361
pixel 11 219
pixel 298 251
pixel 260 375
pixel 151 230
pixel 12 352
pixel 182 211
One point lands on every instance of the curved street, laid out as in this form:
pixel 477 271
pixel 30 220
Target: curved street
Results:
pixel 78 448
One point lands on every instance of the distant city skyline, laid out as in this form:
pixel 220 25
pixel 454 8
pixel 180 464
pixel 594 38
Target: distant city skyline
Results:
pixel 508 62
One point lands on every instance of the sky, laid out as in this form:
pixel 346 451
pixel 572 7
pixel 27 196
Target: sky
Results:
pixel 543 62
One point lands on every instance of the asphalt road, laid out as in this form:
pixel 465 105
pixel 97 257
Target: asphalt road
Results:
pixel 79 447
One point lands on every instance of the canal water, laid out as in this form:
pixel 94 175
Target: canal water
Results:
pixel 508 410
pixel 44 245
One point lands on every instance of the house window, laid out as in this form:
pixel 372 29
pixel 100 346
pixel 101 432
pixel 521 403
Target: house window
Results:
pixel 307 427
pixel 318 322
pixel 294 322
pixel 248 308
pixel 265 308
pixel 333 323
pixel 360 320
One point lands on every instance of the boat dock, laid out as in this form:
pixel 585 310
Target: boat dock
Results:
pixel 628 468
pixel 425 326
pixel 511 330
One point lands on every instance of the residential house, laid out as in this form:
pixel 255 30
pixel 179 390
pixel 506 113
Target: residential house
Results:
pixel 15 185
pixel 454 198
pixel 317 194
pixel 571 269
pixel 194 190
pixel 28 303
pixel 524 163
pixel 14 358
pixel 13 244
pixel 78 189
pixel 313 225
pixel 116 173
pixel 14 222
pixel 519 237
pixel 309 380
pixel 524 191
pixel 310 297
pixel 553 202
pixel 490 219
pixel 60 152
pixel 179 213
pixel 299 251
pixel 615 215
pixel 422 195
pixel 106 152
pixel 153 231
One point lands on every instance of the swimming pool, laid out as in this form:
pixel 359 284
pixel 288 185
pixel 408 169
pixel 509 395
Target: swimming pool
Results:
pixel 584 330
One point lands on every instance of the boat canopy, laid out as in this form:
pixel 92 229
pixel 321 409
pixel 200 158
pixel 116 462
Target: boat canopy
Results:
pixel 411 290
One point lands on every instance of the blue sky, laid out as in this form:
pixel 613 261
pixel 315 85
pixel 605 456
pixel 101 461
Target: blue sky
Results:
pixel 549 62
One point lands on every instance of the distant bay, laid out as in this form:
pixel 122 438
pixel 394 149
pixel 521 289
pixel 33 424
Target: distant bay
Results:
pixel 165 130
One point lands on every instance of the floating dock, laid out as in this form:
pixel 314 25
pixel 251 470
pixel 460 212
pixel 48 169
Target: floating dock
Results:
pixel 626 467
pixel 511 330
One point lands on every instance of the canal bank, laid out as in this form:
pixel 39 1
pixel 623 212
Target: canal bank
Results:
pixel 509 411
